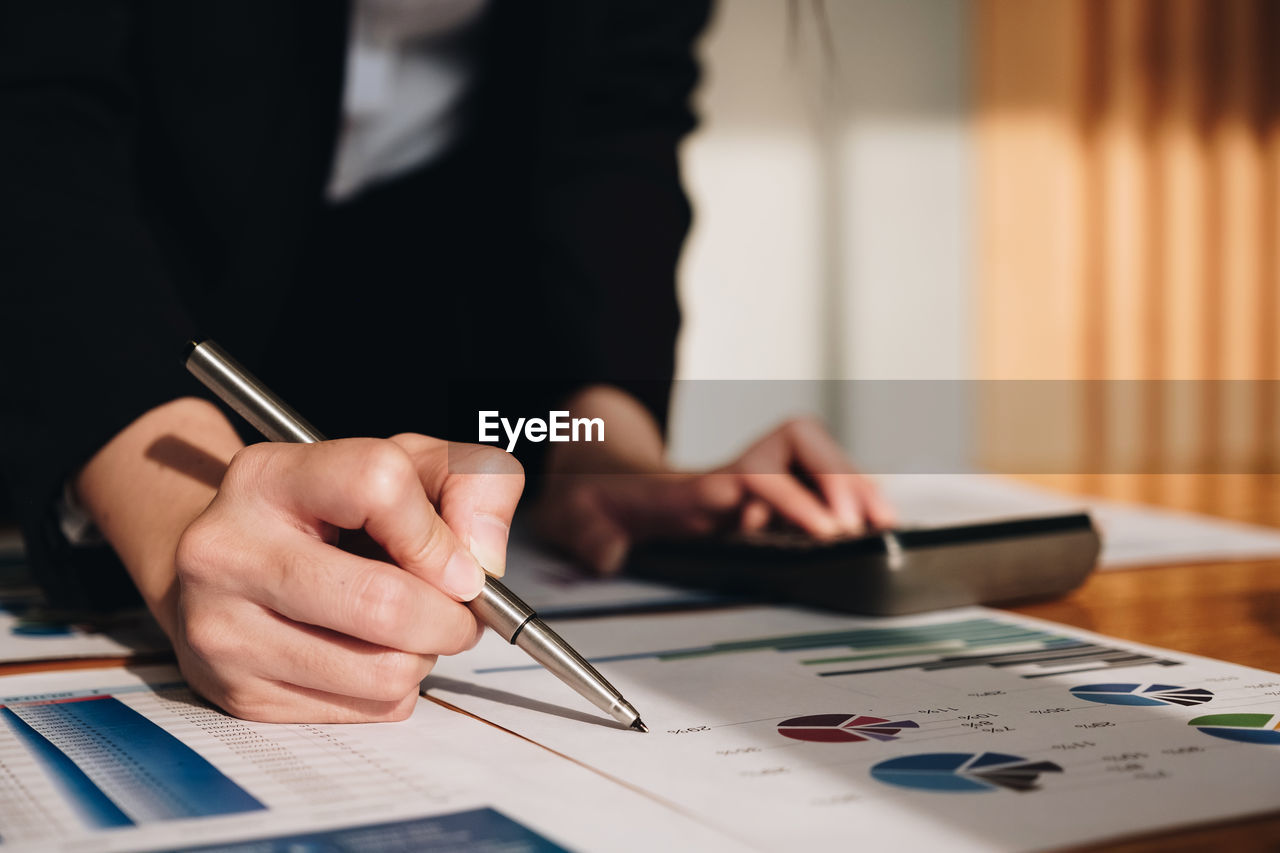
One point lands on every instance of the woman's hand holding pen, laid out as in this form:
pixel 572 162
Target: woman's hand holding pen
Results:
pixel 601 499
pixel 236 550
pixel 269 618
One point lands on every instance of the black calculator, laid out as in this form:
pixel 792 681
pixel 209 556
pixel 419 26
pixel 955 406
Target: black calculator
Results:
pixel 886 572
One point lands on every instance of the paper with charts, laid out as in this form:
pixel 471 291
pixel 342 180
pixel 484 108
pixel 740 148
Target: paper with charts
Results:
pixel 28 633
pixel 130 760
pixel 964 729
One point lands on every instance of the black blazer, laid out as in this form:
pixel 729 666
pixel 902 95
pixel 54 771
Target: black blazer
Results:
pixel 161 164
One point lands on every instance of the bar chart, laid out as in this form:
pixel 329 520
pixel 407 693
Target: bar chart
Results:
pixel 981 642
pixel 114 767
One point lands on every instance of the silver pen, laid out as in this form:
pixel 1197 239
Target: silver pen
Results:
pixel 495 606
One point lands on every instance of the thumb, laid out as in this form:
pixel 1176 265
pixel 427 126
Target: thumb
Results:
pixel 476 490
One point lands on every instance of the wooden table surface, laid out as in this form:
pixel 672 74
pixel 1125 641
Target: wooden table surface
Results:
pixel 1221 610
pixel 1229 611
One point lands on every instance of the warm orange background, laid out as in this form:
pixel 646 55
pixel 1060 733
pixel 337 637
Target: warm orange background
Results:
pixel 1129 226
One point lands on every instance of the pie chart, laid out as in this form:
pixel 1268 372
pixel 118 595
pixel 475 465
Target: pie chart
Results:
pixel 1246 728
pixel 1142 694
pixel 965 772
pixel 842 728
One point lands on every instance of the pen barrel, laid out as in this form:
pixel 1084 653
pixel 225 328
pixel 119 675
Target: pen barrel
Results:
pixel 500 609
pixel 517 623
pixel 252 400
pixel 558 657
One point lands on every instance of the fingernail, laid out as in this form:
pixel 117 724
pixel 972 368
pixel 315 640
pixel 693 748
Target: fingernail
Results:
pixel 463 577
pixel 832 529
pixel 849 519
pixel 488 542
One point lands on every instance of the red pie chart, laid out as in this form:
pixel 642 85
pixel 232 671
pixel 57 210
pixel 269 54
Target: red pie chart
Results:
pixel 842 728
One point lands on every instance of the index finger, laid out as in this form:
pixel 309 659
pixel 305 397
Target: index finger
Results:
pixel 845 489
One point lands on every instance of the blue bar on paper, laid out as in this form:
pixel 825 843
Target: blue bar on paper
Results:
pixel 111 752
pixel 92 806
pixel 477 831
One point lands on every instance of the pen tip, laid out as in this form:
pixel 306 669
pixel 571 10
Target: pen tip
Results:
pixel 639 725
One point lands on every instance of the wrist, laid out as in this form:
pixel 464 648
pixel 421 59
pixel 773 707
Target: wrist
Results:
pixel 148 483
pixel 632 438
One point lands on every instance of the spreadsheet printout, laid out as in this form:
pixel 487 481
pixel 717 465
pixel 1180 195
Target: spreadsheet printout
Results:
pixel 120 759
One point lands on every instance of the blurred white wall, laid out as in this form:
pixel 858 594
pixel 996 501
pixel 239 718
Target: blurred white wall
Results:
pixel 831 192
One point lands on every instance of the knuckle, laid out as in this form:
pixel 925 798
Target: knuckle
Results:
pixel 234 701
pixel 379 605
pixel 292 570
pixel 394 675
pixel 435 547
pixel 385 472
pixel 248 466
pixel 247 702
pixel 196 550
pixel 407 440
pixel 401 712
pixel 208 637
pixel 414 442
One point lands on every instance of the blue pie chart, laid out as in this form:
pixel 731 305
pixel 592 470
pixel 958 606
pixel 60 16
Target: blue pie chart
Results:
pixel 1142 694
pixel 963 772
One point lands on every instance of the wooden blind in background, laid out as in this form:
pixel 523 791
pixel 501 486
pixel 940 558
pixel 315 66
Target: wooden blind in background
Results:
pixel 1129 221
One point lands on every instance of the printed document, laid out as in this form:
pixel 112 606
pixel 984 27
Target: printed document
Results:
pixel 120 759
pixel 964 729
